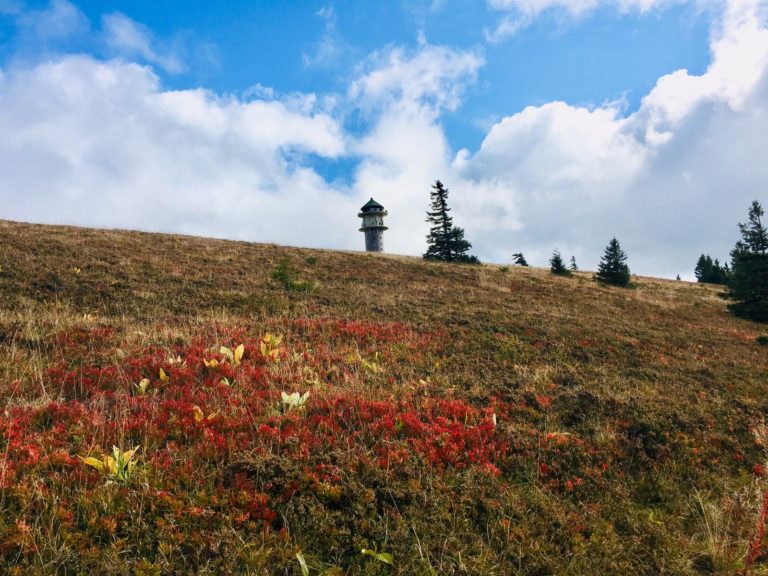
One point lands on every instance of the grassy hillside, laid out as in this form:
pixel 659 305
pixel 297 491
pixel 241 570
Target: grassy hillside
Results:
pixel 464 420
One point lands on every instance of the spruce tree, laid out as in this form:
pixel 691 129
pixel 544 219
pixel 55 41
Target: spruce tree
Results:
pixel 726 274
pixel 710 271
pixel 718 276
pixel 702 269
pixel 574 267
pixel 748 278
pixel 556 265
pixel 613 267
pixel 445 241
pixel 519 259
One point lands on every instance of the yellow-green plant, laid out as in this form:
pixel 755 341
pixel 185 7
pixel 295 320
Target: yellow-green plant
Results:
pixel 294 400
pixel 321 570
pixel 141 387
pixel 178 361
pixel 233 356
pixel 118 467
pixel 302 564
pixel 371 366
pixel 270 347
pixel 198 415
pixel 384 557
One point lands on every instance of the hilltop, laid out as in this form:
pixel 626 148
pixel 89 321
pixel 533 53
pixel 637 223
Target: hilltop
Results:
pixel 462 419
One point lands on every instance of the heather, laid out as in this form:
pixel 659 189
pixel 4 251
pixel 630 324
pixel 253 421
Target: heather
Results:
pixel 448 419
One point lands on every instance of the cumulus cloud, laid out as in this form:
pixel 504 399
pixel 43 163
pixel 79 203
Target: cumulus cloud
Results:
pixel 100 143
pixel 687 153
pixel 405 149
pixel 431 78
pixel 120 150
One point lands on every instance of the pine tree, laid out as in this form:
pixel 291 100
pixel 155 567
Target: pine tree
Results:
pixel 445 241
pixel 613 267
pixel 708 271
pixel 717 273
pixel 702 269
pixel 574 267
pixel 556 265
pixel 748 278
pixel 753 233
pixel 519 259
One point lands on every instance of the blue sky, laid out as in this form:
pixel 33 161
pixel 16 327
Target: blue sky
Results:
pixel 608 112
pixel 605 57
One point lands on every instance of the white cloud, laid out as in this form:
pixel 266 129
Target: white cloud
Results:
pixel 332 50
pixel 130 39
pixel 41 30
pixel 672 179
pixel 517 14
pixel 433 77
pixel 119 150
pixel 739 61
pixel 574 7
pixel 406 149
pixel 100 143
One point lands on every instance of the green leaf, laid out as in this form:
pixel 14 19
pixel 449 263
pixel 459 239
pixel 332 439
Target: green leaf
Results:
pixel 384 557
pixel 142 386
pixel 92 462
pixel 303 564
pixel 239 354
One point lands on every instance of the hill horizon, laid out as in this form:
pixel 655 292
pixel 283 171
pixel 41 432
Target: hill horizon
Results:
pixel 362 250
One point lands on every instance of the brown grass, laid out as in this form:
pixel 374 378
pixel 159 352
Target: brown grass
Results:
pixel 659 379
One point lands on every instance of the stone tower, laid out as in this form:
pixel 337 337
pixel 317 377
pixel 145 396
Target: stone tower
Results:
pixel 373 225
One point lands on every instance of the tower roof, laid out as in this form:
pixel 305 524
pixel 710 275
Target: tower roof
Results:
pixel 372 206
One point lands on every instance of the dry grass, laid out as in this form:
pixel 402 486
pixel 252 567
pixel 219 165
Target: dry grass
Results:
pixel 657 384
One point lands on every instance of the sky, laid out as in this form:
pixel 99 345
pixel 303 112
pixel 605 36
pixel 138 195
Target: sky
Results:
pixel 555 124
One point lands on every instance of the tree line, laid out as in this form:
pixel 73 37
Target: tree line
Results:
pixel 708 271
pixel 746 277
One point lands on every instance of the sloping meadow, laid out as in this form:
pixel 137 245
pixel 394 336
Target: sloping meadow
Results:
pixel 180 405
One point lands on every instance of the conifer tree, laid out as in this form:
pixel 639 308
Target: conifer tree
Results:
pixel 718 274
pixel 445 241
pixel 613 267
pixel 748 285
pixel 574 267
pixel 519 259
pixel 556 265
pixel 702 269
pixel 708 271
